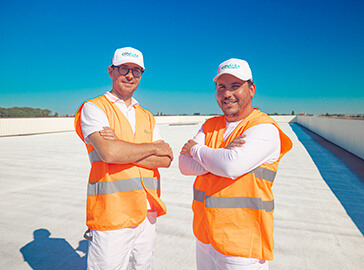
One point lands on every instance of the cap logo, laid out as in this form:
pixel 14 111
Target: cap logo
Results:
pixel 230 66
pixel 129 54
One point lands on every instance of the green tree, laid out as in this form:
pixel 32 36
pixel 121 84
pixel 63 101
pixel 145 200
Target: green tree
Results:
pixel 24 112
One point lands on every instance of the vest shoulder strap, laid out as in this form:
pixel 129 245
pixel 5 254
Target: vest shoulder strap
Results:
pixel 140 111
pixel 214 123
pixel 77 121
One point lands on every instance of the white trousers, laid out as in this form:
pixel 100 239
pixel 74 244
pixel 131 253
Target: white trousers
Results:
pixel 207 258
pixel 116 249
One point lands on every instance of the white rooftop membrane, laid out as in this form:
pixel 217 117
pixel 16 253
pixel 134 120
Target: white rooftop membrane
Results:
pixel 43 186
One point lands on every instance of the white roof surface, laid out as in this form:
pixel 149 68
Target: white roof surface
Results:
pixel 43 186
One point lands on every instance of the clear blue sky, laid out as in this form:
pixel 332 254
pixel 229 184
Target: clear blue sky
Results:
pixel 305 56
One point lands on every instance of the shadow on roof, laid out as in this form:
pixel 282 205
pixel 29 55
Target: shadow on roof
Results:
pixel 342 171
pixel 53 253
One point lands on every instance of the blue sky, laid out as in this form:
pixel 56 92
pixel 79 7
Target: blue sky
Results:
pixel 305 56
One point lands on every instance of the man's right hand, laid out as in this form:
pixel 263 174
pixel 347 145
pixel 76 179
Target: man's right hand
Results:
pixel 237 142
pixel 163 149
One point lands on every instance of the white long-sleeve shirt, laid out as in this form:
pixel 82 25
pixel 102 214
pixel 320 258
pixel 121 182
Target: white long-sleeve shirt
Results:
pixel 262 145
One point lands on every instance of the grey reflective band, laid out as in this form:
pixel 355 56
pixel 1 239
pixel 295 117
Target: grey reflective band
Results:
pixel 233 202
pixel 152 183
pixel 264 173
pixel 103 188
pixel 198 195
pixel 93 156
pixel 239 202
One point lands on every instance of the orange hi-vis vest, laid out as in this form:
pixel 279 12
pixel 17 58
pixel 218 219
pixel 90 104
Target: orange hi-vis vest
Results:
pixel 236 215
pixel 117 193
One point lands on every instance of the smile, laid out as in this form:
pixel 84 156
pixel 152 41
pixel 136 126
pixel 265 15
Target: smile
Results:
pixel 129 83
pixel 229 102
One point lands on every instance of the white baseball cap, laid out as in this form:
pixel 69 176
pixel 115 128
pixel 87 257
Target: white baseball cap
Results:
pixel 236 67
pixel 127 55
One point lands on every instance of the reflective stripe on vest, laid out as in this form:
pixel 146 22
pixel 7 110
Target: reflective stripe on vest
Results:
pixel 93 156
pixel 103 188
pixel 198 195
pixel 239 202
pixel 233 202
pixel 264 173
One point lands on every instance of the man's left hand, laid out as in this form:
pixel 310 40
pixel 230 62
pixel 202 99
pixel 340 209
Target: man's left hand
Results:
pixel 108 134
pixel 186 149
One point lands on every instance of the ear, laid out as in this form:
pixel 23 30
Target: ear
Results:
pixel 110 69
pixel 252 90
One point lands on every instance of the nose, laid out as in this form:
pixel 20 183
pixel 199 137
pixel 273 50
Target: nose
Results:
pixel 228 93
pixel 129 75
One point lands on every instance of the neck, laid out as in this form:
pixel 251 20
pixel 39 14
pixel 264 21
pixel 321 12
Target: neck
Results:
pixel 126 99
pixel 236 118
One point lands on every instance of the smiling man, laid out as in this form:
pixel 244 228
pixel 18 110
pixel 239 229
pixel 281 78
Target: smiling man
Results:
pixel 125 150
pixel 235 157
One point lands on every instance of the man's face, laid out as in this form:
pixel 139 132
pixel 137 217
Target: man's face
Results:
pixel 124 86
pixel 234 97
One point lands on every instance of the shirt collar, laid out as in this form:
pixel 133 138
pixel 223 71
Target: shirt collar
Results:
pixel 115 99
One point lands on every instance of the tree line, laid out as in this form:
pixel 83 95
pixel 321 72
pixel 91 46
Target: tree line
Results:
pixel 25 112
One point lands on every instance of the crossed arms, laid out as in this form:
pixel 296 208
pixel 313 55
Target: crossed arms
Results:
pixel 258 145
pixel 112 150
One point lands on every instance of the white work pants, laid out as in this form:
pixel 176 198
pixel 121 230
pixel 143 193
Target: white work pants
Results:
pixel 116 249
pixel 207 258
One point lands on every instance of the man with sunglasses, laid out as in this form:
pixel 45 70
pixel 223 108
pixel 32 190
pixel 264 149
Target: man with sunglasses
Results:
pixel 125 150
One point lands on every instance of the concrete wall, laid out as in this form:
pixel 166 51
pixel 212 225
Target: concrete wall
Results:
pixel 284 118
pixel 346 133
pixel 26 126
pixel 194 119
pixel 181 119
